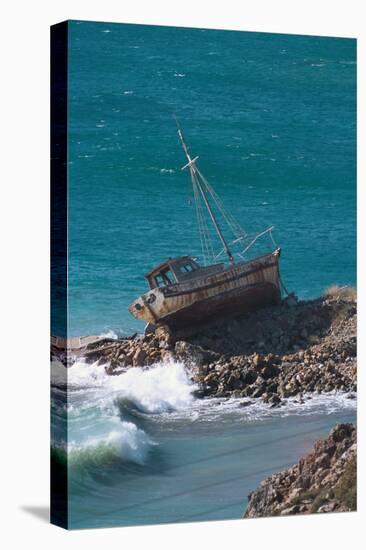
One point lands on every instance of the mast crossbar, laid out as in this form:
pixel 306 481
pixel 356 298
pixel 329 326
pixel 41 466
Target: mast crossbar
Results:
pixel 204 194
pixel 189 163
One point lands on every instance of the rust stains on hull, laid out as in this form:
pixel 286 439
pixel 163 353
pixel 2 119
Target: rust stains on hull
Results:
pixel 240 288
pixel 230 304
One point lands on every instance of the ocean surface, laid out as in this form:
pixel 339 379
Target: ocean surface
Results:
pixel 272 118
pixel 142 449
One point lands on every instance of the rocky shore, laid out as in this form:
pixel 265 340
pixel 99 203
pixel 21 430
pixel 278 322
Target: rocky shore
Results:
pixel 325 480
pixel 289 350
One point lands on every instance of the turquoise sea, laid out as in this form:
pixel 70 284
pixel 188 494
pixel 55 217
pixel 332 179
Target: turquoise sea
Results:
pixel 272 118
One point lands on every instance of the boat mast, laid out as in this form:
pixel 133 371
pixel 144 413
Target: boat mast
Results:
pixel 204 192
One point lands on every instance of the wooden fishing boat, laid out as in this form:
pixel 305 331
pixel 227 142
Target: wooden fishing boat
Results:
pixel 185 294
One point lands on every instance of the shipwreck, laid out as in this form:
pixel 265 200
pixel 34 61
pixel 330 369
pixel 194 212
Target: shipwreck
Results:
pixel 185 294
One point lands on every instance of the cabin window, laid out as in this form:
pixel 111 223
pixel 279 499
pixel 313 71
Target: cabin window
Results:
pixel 165 277
pixel 186 268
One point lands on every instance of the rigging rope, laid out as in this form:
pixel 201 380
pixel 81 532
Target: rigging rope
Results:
pixel 233 224
pixel 200 187
pixel 235 227
pixel 206 243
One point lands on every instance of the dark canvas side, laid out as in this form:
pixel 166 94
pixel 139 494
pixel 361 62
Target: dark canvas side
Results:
pixel 59 85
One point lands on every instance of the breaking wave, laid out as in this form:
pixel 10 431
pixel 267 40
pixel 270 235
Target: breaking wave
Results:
pixel 110 418
pixel 129 443
pixel 102 426
pixel 162 388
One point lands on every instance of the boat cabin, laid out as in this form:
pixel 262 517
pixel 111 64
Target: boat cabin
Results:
pixel 179 270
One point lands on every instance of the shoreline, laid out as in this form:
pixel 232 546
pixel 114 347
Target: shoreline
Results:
pixel 273 354
pixel 324 480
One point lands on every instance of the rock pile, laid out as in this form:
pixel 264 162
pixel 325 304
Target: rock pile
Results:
pixel 322 481
pixel 272 354
pixel 117 355
pixel 316 353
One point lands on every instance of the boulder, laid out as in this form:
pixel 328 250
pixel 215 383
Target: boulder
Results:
pixel 139 358
pixel 323 481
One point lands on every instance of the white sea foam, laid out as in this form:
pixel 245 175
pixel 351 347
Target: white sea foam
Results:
pixel 166 387
pixel 127 442
pixel 231 410
pixel 58 373
pixel 101 408
pixel 98 428
pixel 109 334
pixel 163 387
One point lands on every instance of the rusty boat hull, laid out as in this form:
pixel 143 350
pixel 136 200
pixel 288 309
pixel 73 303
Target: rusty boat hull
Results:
pixel 233 291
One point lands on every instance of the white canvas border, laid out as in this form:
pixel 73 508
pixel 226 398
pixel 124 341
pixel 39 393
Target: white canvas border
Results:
pixel 25 282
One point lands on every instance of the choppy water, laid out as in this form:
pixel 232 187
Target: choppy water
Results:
pixel 272 118
pixel 143 450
